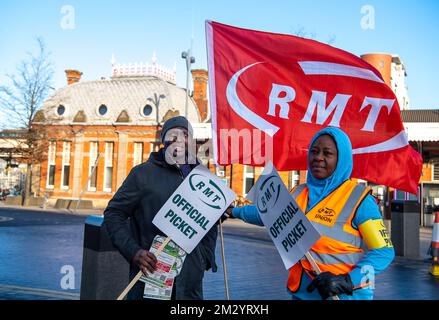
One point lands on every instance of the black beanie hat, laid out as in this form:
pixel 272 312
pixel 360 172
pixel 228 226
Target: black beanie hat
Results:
pixel 175 122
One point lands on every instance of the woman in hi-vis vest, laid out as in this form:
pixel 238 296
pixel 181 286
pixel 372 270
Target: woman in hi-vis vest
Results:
pixel 354 246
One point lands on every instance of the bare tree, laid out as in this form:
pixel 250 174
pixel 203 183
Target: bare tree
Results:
pixel 300 31
pixel 20 101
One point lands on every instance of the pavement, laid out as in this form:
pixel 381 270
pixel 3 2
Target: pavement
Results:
pixel 76 212
pixel 36 245
pixel 39 247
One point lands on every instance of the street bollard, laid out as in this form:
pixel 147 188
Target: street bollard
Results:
pixel 105 272
pixel 405 227
pixel 434 270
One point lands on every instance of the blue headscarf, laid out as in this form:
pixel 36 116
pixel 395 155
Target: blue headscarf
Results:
pixel 320 188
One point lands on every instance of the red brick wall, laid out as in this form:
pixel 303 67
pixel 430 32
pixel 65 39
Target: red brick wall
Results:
pixel 100 134
pixel 200 91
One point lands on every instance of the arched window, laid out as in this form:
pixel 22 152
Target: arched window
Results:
pixel 147 110
pixel 60 110
pixel 103 110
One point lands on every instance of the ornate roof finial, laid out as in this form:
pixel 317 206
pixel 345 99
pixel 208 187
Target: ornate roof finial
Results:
pixel 143 69
pixel 113 59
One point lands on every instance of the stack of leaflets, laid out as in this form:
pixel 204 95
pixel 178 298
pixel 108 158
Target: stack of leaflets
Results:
pixel 158 285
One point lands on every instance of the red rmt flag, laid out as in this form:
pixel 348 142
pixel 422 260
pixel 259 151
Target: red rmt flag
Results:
pixel 270 93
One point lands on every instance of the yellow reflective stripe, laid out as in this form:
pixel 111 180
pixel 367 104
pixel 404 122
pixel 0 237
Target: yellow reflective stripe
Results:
pixel 374 234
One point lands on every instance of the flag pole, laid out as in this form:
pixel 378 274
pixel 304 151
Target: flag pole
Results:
pixel 224 261
pixel 316 268
pixel 139 274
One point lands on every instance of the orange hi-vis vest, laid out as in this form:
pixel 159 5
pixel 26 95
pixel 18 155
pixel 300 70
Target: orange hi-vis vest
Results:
pixel 341 246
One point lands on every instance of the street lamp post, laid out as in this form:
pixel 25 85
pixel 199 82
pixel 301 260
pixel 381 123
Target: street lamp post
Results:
pixel 189 60
pixel 156 101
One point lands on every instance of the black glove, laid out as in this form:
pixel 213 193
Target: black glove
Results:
pixel 227 214
pixel 330 285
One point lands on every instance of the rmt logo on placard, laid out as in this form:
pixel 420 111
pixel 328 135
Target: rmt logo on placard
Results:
pixel 210 194
pixel 269 193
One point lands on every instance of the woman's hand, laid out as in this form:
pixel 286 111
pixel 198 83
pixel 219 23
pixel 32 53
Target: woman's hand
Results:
pixel 227 214
pixel 329 284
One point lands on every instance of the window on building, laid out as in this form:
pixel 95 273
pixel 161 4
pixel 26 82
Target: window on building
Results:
pixel 155 146
pixel 93 170
pixel 249 178
pixel 102 109
pixel 138 153
pixel 147 110
pixel 399 195
pixel 221 171
pixel 108 174
pixel 65 173
pixel 60 110
pixel 51 165
pixel 295 178
pixel 436 171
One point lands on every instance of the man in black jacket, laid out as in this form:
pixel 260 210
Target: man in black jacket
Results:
pixel 145 190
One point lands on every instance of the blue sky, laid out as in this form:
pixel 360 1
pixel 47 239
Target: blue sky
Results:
pixel 133 30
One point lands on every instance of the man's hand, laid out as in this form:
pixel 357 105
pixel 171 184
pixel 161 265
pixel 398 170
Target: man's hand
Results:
pixel 146 261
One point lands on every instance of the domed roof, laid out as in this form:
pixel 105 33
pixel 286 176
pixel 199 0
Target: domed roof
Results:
pixel 121 100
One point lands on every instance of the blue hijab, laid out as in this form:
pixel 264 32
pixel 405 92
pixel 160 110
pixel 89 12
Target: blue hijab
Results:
pixel 320 188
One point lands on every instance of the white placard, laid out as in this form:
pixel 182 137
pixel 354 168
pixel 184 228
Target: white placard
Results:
pixel 194 208
pixel 289 228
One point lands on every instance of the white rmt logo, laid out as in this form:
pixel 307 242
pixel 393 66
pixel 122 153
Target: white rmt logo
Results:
pixel 282 95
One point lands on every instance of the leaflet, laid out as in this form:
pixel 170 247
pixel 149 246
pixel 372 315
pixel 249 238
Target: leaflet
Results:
pixel 158 285
pixel 158 293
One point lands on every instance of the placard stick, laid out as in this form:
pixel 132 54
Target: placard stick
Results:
pixel 139 275
pixel 317 269
pixel 224 261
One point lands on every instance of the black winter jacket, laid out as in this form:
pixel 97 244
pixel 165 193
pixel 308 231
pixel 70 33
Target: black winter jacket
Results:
pixel 145 190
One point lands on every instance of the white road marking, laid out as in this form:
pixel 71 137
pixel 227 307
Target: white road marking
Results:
pixel 39 292
pixel 4 219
